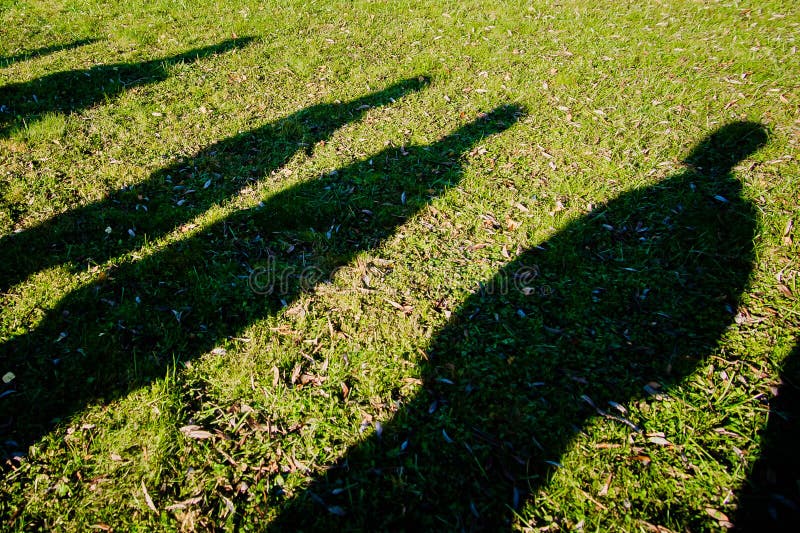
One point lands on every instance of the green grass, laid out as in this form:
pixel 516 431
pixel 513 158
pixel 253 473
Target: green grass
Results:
pixel 484 222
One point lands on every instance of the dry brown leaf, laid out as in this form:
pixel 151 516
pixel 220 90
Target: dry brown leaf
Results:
pixel 148 499
pixel 184 504
pixel 716 515
pixel 654 528
pixel 310 379
pixel 296 373
pixel 406 309
pixel 606 485
pixel 195 432
pixel 785 290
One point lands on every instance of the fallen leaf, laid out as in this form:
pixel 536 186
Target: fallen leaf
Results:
pixel 406 309
pixel 296 373
pixel 654 528
pixel 310 379
pixel 716 515
pixel 184 504
pixel 512 224
pixel 618 407
pixel 653 391
pixel 606 485
pixel 148 499
pixel 195 432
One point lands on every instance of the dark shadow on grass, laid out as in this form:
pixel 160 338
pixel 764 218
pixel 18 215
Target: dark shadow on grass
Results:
pixel 770 500
pixel 74 90
pixel 128 328
pixel 177 194
pixel 639 290
pixel 6 61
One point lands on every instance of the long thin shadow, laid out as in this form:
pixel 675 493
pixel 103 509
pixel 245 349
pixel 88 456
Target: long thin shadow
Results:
pixel 770 500
pixel 6 61
pixel 120 333
pixel 171 197
pixel 70 91
pixel 637 291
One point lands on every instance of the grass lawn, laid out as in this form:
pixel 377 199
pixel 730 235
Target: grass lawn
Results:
pixel 455 265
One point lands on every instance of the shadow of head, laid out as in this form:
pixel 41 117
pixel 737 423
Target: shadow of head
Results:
pixel 637 291
pixel 718 153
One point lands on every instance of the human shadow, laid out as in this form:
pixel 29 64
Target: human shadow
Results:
pixel 143 317
pixel 169 198
pixel 637 291
pixel 73 90
pixel 7 61
pixel 770 499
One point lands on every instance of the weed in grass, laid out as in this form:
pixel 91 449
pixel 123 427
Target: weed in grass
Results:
pixel 637 292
